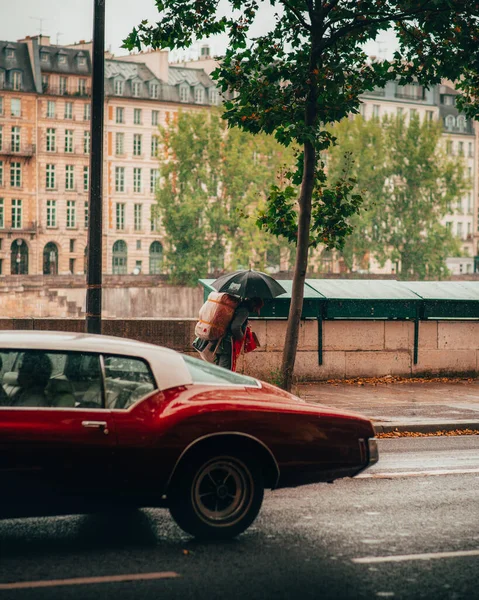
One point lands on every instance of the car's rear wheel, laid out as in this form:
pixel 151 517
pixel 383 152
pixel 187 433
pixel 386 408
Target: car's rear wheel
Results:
pixel 216 496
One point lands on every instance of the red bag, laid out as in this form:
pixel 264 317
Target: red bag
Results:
pixel 251 341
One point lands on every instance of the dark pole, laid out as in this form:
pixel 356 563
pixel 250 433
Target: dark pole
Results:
pixel 93 298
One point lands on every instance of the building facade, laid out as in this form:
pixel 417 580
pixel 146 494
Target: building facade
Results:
pixel 45 99
pixel 459 139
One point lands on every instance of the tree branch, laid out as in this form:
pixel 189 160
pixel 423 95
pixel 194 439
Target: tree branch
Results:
pixel 298 15
pixel 367 22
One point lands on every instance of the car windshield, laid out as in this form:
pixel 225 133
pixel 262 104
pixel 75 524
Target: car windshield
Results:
pixel 203 372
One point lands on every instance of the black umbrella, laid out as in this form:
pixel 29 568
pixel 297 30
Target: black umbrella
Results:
pixel 249 284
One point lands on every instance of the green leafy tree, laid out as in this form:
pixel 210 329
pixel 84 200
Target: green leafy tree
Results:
pixel 213 181
pixel 408 184
pixel 307 71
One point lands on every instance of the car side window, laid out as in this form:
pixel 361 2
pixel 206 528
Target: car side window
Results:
pixel 37 378
pixel 127 380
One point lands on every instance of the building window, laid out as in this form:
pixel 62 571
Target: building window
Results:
pixel 1 137
pixel 138 244
pixel 153 218
pixel 72 245
pixel 120 216
pixel 1 104
pixel 119 179
pixel 68 110
pixel 136 89
pixel 461 149
pixel 137 180
pixel 86 215
pixel 51 109
pixel 51 213
pixel 213 97
pixel 459 230
pixel 119 144
pixel 412 113
pixel 155 142
pixel 69 177
pixel 82 87
pixel 429 115
pixel 137 116
pixel 86 142
pixel 120 114
pixel 156 258
pixel 2 214
pixel 469 230
pixel 155 114
pixel 71 264
pixel 16 81
pixel 118 87
pixel 16 107
pixel 71 214
pixel 9 53
pixel 450 122
pixel 449 149
pixel 86 178
pixel 449 226
pixel 45 83
pixel 376 111
pixel 469 203
pixel 154 176
pixel 16 174
pixel 137 214
pixel 68 141
pixel 1 173
pixel 16 214
pixel 50 183
pixel 51 139
pixel 137 144
pixel 461 123
pixel 63 85
pixel 471 150
pixel 62 59
pixel 120 258
pixel 86 112
pixel 199 95
pixel 15 139
pixel 154 91
pixel 184 92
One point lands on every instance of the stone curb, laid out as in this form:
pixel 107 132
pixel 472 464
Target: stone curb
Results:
pixel 425 427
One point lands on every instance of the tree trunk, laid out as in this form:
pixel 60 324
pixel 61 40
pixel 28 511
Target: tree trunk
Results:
pixel 300 268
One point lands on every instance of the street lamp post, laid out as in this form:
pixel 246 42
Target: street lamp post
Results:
pixel 94 273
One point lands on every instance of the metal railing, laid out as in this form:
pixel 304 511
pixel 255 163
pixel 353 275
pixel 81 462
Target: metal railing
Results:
pixel 18 149
pixel 56 90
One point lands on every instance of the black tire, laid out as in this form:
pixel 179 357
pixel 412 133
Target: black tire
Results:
pixel 216 496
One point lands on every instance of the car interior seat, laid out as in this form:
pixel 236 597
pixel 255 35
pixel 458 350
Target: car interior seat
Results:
pixel 60 393
pixel 33 376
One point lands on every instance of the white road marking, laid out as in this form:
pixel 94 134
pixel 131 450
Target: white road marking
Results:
pixel 367 560
pixel 88 580
pixel 386 475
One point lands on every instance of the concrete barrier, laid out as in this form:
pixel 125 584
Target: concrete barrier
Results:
pixel 350 348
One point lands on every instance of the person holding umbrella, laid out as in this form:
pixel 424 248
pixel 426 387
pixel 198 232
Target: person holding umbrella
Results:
pixel 229 347
pixel 253 287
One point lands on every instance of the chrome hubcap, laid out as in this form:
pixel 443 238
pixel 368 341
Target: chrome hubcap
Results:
pixel 221 492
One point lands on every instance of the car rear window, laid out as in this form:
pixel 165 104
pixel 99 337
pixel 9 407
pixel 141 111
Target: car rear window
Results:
pixel 203 372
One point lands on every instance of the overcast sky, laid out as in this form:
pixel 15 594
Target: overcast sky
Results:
pixel 68 21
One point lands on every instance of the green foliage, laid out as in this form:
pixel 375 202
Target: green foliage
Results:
pixel 408 184
pixel 309 70
pixel 213 181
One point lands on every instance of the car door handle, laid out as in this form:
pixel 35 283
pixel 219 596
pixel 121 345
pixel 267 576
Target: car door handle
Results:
pixel 103 425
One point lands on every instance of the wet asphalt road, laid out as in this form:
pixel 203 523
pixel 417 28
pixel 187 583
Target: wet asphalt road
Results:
pixel 357 538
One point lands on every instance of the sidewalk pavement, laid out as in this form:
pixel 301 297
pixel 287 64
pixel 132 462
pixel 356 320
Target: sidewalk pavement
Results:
pixel 423 406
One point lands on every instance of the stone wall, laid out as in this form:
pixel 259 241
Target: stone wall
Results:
pixel 350 348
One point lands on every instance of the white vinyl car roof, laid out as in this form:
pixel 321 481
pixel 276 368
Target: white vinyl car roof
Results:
pixel 168 366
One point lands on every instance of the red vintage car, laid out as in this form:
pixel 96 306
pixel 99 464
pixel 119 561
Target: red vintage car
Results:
pixel 91 423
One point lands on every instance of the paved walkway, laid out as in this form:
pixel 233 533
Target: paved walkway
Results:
pixel 421 407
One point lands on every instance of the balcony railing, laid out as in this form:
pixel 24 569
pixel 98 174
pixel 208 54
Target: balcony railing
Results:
pixel 8 85
pixel 56 90
pixel 18 150
pixel 25 227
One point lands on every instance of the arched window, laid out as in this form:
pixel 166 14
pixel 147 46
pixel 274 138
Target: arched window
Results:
pixel 450 122
pixel 156 258
pixel 120 258
pixel 19 257
pixel 50 259
pixel 461 123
